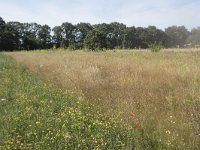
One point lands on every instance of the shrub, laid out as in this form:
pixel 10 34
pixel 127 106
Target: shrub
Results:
pixel 155 47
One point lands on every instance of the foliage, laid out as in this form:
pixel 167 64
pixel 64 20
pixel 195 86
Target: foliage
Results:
pixel 155 47
pixel 82 29
pixel 95 40
pixel 194 38
pixel 57 37
pixel 177 36
pixel 130 38
pixel 20 36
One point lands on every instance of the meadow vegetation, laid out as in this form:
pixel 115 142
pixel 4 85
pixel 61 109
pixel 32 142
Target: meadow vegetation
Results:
pixel 101 100
pixel 37 115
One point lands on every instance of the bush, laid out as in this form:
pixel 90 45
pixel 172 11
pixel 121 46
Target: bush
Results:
pixel 155 47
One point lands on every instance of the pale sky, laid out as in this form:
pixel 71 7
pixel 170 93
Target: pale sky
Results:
pixel 160 13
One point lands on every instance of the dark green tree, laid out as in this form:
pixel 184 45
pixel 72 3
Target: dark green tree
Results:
pixel 193 39
pixel 30 34
pixel 142 34
pixel 68 34
pixel 18 27
pixel 117 30
pixel 81 31
pixel 131 39
pixel 2 29
pixel 57 36
pixel 2 24
pixel 107 30
pixel 156 36
pixel 11 38
pixel 44 36
pixel 177 36
pixel 150 35
pixel 95 40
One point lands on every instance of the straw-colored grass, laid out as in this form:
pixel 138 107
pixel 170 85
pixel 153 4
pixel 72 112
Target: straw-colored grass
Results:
pixel 161 89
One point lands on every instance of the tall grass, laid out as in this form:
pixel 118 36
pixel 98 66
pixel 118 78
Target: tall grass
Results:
pixel 37 115
pixel 161 90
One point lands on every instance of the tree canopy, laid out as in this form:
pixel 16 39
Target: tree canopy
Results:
pixel 29 36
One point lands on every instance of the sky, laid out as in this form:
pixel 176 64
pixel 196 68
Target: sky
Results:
pixel 160 13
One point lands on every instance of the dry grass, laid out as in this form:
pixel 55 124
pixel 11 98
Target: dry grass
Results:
pixel 162 89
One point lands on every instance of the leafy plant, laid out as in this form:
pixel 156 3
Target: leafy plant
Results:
pixel 155 47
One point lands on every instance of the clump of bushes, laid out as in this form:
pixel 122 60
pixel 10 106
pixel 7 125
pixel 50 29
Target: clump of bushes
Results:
pixel 155 47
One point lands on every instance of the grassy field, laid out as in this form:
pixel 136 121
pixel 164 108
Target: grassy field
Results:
pixel 152 100
pixel 36 114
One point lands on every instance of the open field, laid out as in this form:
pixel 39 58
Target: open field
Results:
pixel 157 93
pixel 37 115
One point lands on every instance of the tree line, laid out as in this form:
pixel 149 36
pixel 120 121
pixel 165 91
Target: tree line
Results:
pixel 29 36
